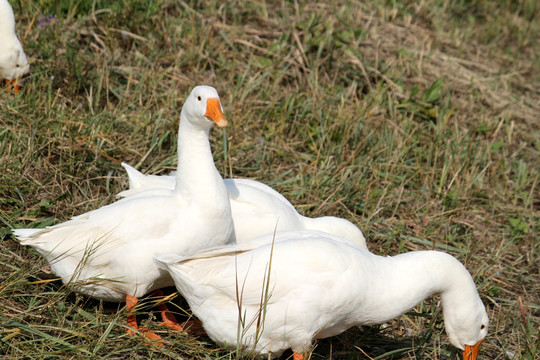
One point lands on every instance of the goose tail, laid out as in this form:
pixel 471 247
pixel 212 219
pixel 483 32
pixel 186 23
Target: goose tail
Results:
pixel 134 178
pixel 24 235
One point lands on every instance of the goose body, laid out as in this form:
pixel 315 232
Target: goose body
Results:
pixel 108 253
pixel 319 286
pixel 13 61
pixel 257 209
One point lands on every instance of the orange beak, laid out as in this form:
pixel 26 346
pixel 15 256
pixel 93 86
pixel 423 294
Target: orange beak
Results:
pixel 471 351
pixel 214 113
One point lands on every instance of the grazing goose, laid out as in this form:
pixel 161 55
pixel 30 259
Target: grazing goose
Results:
pixel 13 61
pixel 257 209
pixel 319 286
pixel 108 253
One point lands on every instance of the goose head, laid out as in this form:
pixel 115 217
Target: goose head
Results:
pixel 13 61
pixel 203 106
pixel 466 325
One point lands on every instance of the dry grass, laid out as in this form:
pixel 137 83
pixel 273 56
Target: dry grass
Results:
pixel 418 122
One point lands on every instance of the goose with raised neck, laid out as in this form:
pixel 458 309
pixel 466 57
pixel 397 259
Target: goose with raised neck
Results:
pixel 319 286
pixel 108 253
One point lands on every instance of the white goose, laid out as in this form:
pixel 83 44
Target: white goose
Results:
pixel 257 209
pixel 13 61
pixel 108 253
pixel 320 285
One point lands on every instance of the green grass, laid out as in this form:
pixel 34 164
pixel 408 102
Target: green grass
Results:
pixel 419 123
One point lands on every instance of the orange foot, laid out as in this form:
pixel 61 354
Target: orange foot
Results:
pixel 132 321
pixel 153 337
pixel 175 325
pixel 195 326
pixel 13 85
pixel 16 86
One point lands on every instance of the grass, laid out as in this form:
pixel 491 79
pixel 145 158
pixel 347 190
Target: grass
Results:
pixel 418 122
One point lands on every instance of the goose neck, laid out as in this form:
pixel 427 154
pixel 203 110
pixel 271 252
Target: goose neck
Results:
pixel 196 168
pixel 399 283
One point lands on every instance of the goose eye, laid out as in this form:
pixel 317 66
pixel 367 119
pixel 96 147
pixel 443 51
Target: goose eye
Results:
pixel 482 327
pixel 199 98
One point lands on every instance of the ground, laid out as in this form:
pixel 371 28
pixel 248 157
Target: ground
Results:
pixel 417 121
